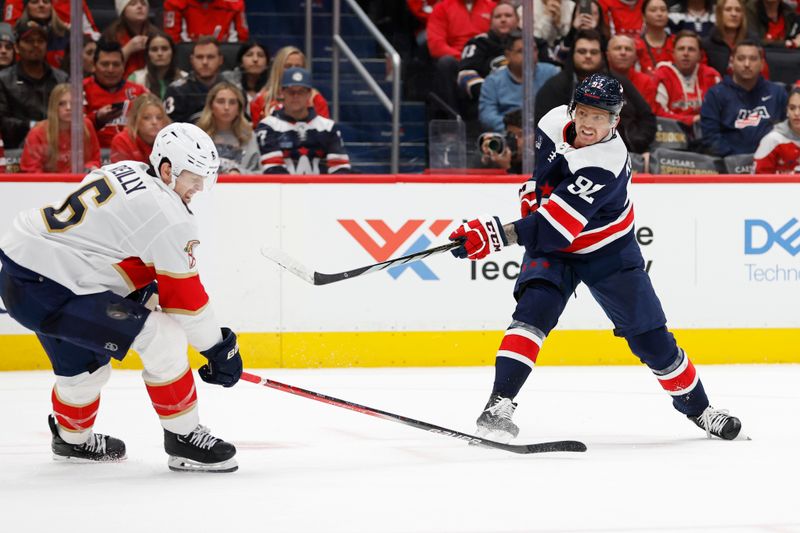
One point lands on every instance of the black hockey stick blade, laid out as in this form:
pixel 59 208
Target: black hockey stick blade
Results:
pixel 318 278
pixel 540 447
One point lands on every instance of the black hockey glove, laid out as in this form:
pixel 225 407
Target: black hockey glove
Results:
pixel 224 362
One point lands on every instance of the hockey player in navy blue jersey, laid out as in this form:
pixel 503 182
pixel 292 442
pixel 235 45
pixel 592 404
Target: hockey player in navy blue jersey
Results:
pixel 577 226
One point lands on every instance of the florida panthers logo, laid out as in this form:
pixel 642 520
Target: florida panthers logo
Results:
pixel 189 249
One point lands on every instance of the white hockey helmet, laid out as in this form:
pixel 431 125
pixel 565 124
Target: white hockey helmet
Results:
pixel 186 147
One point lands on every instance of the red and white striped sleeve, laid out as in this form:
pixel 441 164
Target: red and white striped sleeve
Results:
pixel 766 155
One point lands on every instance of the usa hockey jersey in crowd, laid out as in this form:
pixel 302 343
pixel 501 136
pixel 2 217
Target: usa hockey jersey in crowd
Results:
pixel 778 152
pixel 310 146
pixel 118 231
pixel 581 193
pixel 734 119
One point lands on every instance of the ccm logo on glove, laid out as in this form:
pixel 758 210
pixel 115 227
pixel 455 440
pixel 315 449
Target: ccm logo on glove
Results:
pixel 479 237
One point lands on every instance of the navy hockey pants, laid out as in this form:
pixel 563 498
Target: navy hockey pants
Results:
pixel 80 333
pixel 623 289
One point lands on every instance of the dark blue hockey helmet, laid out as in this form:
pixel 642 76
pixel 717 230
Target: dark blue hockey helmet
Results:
pixel 600 91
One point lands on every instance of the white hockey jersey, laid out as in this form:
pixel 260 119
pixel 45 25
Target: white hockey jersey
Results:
pixel 118 231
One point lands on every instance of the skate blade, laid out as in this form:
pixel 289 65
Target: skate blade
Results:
pixel 83 460
pixel 493 434
pixel 181 464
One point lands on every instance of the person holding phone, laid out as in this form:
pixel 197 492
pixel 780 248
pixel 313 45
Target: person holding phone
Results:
pixel 108 94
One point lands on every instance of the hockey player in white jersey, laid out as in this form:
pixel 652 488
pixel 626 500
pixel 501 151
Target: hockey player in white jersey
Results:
pixel 577 227
pixel 67 270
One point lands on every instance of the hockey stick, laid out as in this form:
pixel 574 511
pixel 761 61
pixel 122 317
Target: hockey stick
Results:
pixel 317 278
pixel 556 446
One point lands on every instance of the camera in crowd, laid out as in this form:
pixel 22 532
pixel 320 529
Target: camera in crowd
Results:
pixel 498 142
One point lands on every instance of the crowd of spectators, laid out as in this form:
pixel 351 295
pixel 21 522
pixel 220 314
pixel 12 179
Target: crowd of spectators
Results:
pixel 133 87
pixel 696 66
pixel 702 66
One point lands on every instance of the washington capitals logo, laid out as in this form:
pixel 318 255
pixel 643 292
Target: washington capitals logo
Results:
pixel 393 240
pixel 189 249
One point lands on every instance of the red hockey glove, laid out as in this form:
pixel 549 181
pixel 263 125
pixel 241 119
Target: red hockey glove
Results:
pixel 479 238
pixel 527 198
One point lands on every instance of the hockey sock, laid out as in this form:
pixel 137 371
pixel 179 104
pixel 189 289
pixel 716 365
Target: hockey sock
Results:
pixel 515 358
pixel 681 381
pixel 673 368
pixel 76 400
pixel 175 402
pixel 75 421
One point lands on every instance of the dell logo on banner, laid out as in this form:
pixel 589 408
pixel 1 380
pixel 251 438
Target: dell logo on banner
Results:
pixel 784 236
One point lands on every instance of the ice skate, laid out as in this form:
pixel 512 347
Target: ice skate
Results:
pixel 495 420
pixel 99 448
pixel 719 423
pixel 199 451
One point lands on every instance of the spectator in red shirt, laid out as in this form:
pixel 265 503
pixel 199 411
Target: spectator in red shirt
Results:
pixel 683 83
pixel 47 148
pixel 655 44
pixel 146 118
pixel 187 20
pixel 779 150
pixel 621 55
pixel 623 16
pixel 421 9
pixel 451 24
pixel 270 98
pixel 131 30
pixel 774 22
pixel 13 10
pixel 107 94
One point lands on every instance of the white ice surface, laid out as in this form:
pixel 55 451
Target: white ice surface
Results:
pixel 307 466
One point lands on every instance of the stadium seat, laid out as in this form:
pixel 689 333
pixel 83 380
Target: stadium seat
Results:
pixel 739 164
pixel 784 64
pixel 670 134
pixel 666 161
pixel 12 157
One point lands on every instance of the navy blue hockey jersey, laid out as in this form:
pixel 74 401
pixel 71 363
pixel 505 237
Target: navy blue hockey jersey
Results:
pixel 582 194
pixel 310 146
